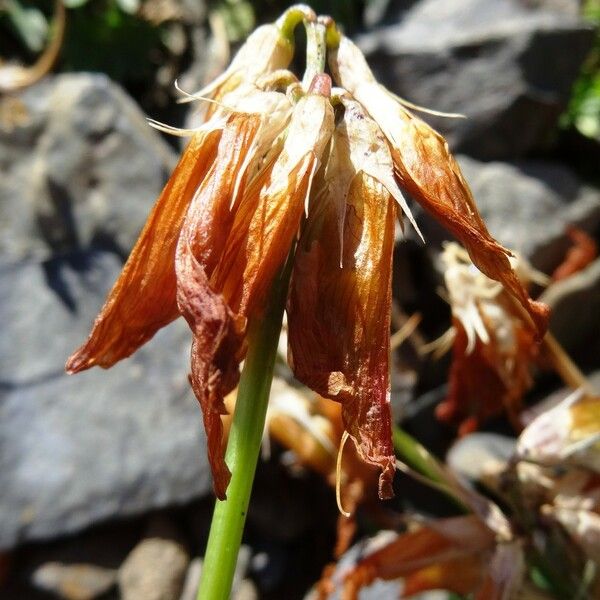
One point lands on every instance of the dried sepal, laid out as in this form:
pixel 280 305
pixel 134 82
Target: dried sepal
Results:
pixel 428 171
pixel 339 316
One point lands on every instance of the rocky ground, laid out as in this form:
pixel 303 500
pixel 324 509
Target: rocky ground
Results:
pixel 104 484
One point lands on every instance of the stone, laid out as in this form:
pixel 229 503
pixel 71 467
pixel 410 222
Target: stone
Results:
pixel 155 570
pixel 575 318
pixel 78 450
pixel 192 580
pixel 501 63
pixel 245 590
pixel 527 205
pixel 74 581
pixel 81 169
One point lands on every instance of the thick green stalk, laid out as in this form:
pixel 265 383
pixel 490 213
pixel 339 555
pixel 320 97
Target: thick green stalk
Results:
pixel 243 448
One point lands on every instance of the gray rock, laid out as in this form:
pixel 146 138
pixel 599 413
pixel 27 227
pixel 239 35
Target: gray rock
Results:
pixel 527 206
pixel 192 580
pixel 502 63
pixel 76 450
pixel 74 581
pixel 241 589
pixel 80 169
pixel 575 319
pixel 155 570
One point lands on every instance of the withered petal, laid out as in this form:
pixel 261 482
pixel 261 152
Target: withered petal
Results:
pixel 339 317
pixel 217 330
pixel 143 297
pixel 444 540
pixel 429 172
pixel 460 575
pixel 229 251
pixel 218 334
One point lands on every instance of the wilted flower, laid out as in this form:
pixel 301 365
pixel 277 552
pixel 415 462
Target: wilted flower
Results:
pixel 458 554
pixel 221 229
pixel 493 346
pixel 229 215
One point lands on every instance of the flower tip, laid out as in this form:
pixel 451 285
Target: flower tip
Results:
pixel 540 314
pixel 386 478
pixel 76 363
pixel 321 85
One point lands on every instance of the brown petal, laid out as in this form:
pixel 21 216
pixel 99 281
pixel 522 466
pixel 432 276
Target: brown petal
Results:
pixel 339 317
pixel 490 379
pixel 459 575
pixel 231 248
pixel 218 331
pixel 269 214
pixel 218 334
pixel 143 298
pixel 413 552
pixel 429 172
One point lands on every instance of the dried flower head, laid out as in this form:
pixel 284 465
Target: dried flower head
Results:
pixel 493 346
pixel 268 166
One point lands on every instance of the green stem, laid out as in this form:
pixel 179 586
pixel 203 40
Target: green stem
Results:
pixel 288 21
pixel 316 50
pixel 243 447
pixel 418 458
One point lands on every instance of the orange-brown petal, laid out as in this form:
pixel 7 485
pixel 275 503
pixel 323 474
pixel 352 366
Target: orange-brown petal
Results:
pixel 229 252
pixel 217 330
pixel 143 297
pixel 339 317
pixel 429 172
pixel 414 552
pixel 486 382
pixel 459 575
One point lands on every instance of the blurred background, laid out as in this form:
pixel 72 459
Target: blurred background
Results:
pixel 105 490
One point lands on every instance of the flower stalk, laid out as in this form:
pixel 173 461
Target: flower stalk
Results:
pixel 316 50
pixel 243 446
